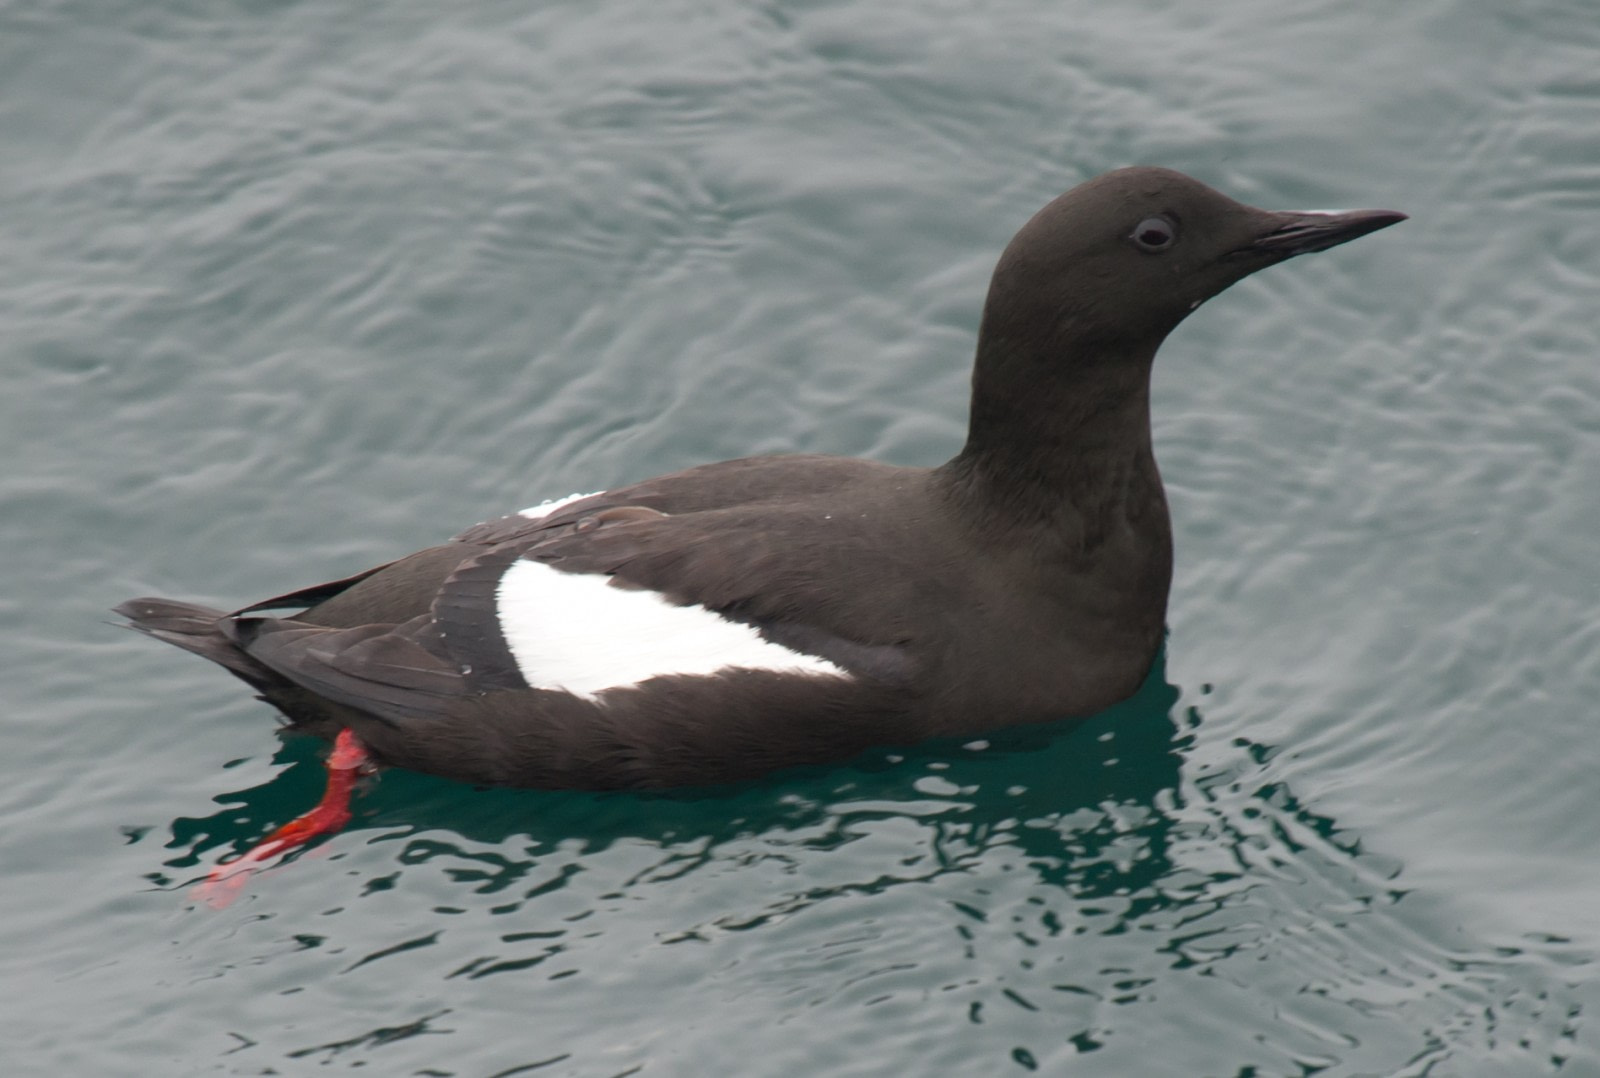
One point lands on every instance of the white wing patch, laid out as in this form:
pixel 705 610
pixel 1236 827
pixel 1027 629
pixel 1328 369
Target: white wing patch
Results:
pixel 574 631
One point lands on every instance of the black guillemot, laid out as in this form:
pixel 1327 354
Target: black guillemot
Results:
pixel 717 623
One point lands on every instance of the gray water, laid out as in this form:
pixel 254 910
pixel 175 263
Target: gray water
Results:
pixel 288 289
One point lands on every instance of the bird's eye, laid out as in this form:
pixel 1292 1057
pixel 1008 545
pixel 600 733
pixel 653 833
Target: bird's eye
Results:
pixel 1155 234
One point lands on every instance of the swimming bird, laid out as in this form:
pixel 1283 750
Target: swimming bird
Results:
pixel 720 622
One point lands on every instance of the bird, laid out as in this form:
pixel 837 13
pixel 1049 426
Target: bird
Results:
pixel 718 623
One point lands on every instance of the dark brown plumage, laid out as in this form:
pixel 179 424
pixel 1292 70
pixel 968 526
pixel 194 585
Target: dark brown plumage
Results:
pixel 1026 579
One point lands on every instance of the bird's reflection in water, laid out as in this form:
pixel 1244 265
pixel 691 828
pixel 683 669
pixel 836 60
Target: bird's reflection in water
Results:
pixel 1077 881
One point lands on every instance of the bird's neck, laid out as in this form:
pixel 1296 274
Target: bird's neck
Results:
pixel 1059 440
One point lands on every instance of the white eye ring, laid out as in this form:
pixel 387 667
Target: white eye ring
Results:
pixel 1155 234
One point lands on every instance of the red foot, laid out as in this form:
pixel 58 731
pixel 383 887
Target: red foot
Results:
pixel 347 762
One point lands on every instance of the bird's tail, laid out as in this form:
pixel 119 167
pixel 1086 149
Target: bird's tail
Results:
pixel 199 629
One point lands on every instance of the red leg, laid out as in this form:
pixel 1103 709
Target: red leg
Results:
pixel 347 762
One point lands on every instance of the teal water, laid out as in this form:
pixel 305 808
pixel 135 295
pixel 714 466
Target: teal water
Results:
pixel 287 289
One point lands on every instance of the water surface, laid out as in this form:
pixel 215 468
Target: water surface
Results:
pixel 286 291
